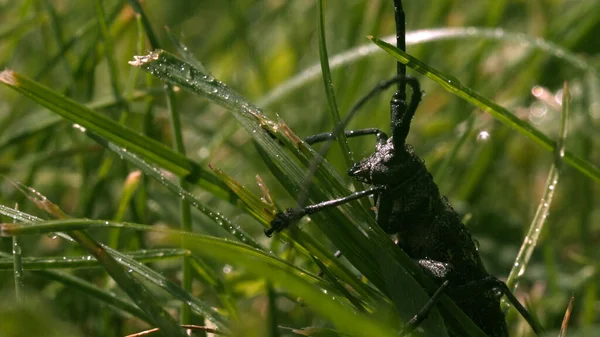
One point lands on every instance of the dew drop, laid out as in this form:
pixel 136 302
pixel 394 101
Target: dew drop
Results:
pixel 483 136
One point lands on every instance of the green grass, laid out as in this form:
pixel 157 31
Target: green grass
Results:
pixel 201 143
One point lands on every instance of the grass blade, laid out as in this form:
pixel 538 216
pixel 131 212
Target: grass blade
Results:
pixel 112 131
pixel 541 214
pixel 503 115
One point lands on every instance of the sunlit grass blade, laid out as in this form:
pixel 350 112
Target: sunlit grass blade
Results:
pixel 328 84
pixel 112 131
pixel 319 332
pixel 233 228
pixel 286 276
pixel 92 290
pixel 254 205
pixel 417 37
pixel 138 293
pixel 503 115
pixel 541 214
pixel 140 269
pixel 88 261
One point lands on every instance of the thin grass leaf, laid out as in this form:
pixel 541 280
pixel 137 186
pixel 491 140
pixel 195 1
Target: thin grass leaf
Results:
pixel 88 261
pixel 92 290
pixel 565 323
pixel 339 287
pixel 17 267
pixel 541 214
pixel 319 332
pixel 143 271
pixel 184 51
pixel 234 229
pixel 328 84
pixel 138 293
pixel 256 207
pixel 209 276
pixel 289 277
pixel 112 131
pixel 417 37
pixel 503 115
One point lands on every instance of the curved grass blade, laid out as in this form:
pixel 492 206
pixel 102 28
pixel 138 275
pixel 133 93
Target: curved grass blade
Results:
pixel 112 131
pixel 138 293
pixel 284 275
pixel 142 270
pixel 353 55
pixel 234 229
pixel 503 115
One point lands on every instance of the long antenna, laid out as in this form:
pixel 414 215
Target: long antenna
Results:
pixel 400 37
pixel 398 102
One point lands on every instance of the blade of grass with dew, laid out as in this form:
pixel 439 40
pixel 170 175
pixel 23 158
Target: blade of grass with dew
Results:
pixel 368 248
pixel 55 226
pixel 233 228
pixel 72 224
pixel 41 120
pixel 89 289
pixel 209 276
pixel 338 286
pixel 142 270
pixel 112 131
pixel 452 85
pixel 265 213
pixel 138 293
pixel 177 72
pixel 328 84
pixel 135 290
pixel 324 301
pixel 63 225
pixel 541 214
pixel 354 55
pixel 305 242
pixel 319 332
pixel 254 205
pixel 17 260
pixel 88 261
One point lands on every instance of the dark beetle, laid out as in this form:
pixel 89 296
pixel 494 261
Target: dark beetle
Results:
pixel 409 206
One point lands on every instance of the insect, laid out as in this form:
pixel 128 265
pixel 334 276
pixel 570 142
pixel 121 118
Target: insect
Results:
pixel 409 206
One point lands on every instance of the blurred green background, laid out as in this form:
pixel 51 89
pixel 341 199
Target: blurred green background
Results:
pixel 496 177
